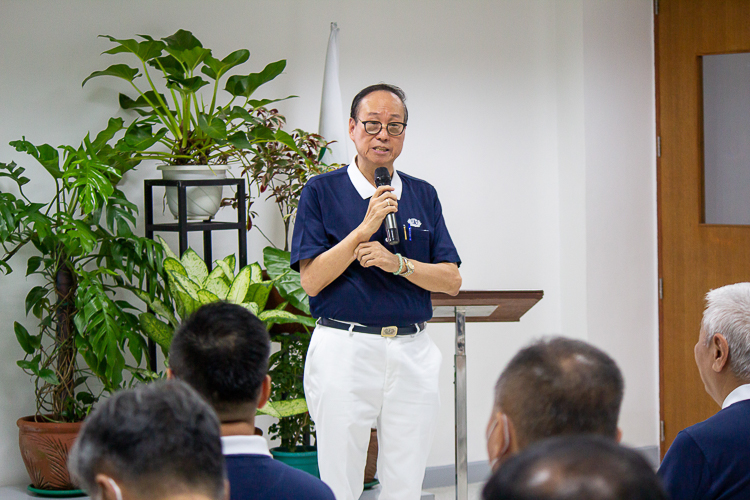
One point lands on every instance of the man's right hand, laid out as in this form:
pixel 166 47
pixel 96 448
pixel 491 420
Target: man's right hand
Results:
pixel 318 272
pixel 382 203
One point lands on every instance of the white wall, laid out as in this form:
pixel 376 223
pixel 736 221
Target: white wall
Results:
pixel 533 119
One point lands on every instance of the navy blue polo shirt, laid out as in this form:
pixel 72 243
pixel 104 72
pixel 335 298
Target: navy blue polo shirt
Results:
pixel 330 207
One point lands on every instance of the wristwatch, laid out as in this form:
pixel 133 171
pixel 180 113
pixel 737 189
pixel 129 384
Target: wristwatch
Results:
pixel 409 268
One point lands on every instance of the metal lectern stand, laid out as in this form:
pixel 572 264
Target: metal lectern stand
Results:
pixel 474 306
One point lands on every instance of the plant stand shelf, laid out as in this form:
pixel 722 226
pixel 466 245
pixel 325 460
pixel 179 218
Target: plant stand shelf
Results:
pixel 183 227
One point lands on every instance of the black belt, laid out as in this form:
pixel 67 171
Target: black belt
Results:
pixel 385 331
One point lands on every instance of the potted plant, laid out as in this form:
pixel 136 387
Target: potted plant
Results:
pixel 84 250
pixel 191 285
pixel 294 429
pixel 280 169
pixel 193 133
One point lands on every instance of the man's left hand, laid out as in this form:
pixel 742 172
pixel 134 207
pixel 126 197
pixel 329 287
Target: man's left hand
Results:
pixel 374 254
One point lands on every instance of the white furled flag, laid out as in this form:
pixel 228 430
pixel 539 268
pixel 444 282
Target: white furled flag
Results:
pixel 332 125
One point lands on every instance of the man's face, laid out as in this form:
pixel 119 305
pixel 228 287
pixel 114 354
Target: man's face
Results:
pixel 381 149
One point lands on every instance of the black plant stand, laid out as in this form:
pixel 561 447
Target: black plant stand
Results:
pixel 183 227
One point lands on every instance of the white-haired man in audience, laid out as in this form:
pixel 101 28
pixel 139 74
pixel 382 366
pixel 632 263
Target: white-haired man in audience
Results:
pixel 711 459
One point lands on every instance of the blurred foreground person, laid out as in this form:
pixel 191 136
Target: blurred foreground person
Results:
pixel 156 442
pixel 711 459
pixel 222 351
pixel 553 387
pixel 575 468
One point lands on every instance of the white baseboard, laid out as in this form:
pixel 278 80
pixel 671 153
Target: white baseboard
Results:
pixel 445 475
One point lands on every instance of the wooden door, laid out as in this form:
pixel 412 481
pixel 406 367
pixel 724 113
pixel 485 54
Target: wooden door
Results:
pixel 694 257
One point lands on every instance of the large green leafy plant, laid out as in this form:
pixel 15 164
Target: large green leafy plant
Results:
pixel 86 254
pixel 187 126
pixel 185 116
pixel 191 285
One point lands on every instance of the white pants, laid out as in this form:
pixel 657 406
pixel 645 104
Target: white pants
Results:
pixel 356 381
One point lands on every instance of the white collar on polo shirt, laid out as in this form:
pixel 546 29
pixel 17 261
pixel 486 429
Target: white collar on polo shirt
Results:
pixel 363 186
pixel 739 394
pixel 244 445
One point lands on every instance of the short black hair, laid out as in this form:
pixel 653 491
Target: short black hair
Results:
pixel 157 438
pixel 560 386
pixel 584 467
pixel 374 88
pixel 222 351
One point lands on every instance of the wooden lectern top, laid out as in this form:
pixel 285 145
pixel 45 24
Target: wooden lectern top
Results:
pixel 484 306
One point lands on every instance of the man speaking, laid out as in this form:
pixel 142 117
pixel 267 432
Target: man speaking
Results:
pixel 370 362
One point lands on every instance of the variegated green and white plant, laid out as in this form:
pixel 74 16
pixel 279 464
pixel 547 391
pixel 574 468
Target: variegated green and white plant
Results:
pixel 191 285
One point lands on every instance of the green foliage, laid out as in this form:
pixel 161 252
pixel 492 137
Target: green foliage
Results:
pixel 193 127
pixel 86 254
pixel 191 286
pixel 287 365
pixel 280 169
pixel 182 119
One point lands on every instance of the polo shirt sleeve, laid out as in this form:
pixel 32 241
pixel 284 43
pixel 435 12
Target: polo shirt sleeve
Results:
pixel 442 248
pixel 309 237
pixel 684 470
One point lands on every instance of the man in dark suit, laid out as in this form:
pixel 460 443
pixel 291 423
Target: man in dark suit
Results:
pixel 711 459
pixel 222 352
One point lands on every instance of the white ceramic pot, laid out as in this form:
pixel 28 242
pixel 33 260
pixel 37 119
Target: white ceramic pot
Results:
pixel 202 201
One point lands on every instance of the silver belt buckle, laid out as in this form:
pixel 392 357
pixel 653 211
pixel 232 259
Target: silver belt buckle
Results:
pixel 389 331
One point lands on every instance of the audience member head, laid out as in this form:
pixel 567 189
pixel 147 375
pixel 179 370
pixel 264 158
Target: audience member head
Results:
pixel 583 467
pixel 158 441
pixel 554 387
pixel 723 349
pixel 222 351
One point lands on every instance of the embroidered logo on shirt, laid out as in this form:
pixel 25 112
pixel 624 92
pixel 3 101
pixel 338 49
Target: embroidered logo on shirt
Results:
pixel 415 222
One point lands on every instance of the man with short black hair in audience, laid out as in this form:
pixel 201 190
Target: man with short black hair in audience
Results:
pixel 554 387
pixel 711 459
pixel 222 351
pixel 580 467
pixel 157 442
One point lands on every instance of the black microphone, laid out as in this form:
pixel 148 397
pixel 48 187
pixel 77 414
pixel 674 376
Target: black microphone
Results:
pixel 383 178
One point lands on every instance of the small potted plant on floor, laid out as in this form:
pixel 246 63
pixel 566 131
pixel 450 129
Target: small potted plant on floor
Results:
pixel 84 254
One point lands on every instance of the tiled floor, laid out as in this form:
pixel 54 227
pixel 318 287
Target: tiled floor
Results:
pixel 449 492
pixel 446 493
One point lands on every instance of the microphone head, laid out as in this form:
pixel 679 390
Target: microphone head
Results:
pixel 382 177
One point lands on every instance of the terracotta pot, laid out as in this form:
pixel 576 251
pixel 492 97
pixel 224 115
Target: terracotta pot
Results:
pixel 44 448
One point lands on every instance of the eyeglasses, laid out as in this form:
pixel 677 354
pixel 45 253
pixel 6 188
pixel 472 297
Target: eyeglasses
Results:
pixel 394 128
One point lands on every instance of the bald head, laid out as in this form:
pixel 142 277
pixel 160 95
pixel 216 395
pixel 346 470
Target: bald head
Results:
pixel 575 468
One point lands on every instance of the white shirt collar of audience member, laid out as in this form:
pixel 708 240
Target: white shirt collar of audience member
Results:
pixel 739 394
pixel 244 445
pixel 363 186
